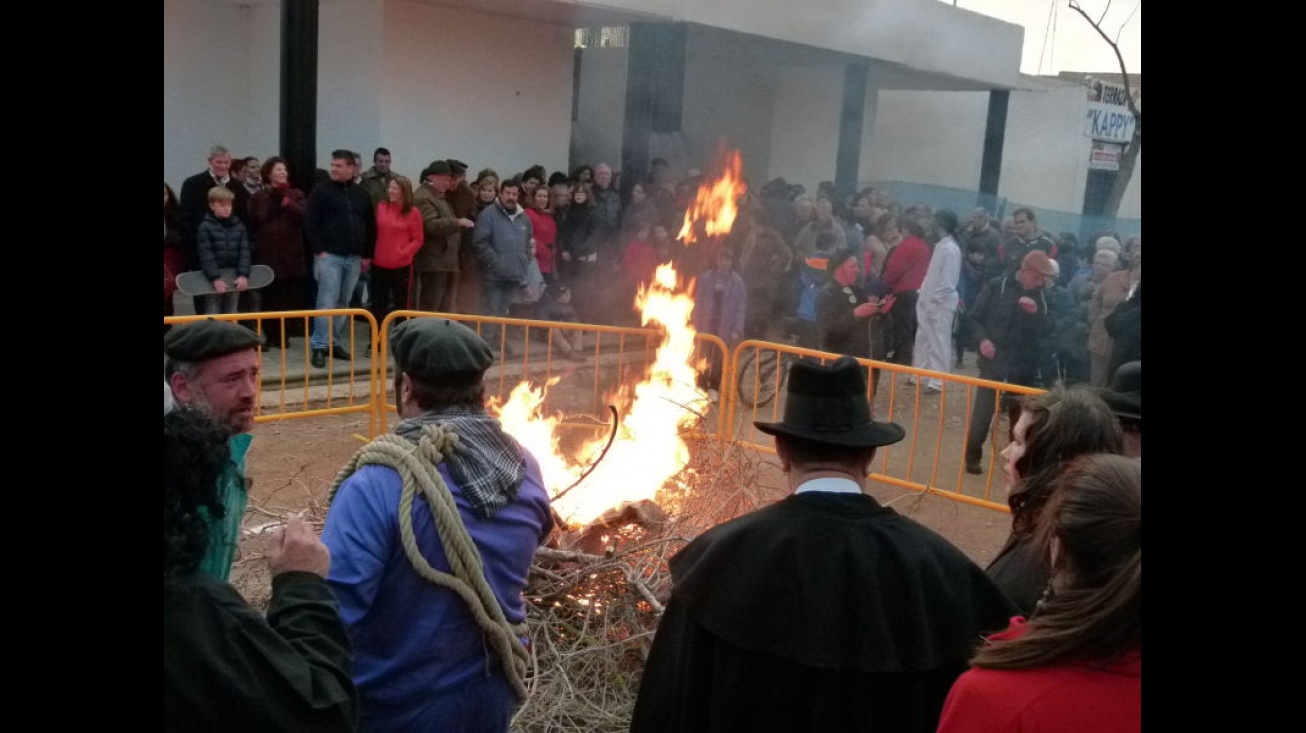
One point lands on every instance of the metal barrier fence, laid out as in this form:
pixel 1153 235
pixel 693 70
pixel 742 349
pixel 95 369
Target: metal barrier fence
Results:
pixel 751 386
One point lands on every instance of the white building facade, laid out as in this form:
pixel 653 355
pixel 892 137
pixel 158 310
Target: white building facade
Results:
pixel 503 85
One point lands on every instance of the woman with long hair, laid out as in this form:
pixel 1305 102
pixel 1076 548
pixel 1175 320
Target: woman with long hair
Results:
pixel 277 227
pixel 577 253
pixel 399 234
pixel 1053 428
pixel 544 229
pixel 1077 663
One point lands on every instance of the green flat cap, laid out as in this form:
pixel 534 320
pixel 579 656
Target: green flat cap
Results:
pixel 200 340
pixel 437 350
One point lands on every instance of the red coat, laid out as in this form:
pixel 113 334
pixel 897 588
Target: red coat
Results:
pixel 277 229
pixel 904 268
pixel 398 236
pixel 545 231
pixel 1067 698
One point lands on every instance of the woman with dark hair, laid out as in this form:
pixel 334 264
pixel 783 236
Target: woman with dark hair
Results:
pixel 1054 428
pixel 277 227
pixel 544 229
pixel 1077 663
pixel 225 666
pixel 577 253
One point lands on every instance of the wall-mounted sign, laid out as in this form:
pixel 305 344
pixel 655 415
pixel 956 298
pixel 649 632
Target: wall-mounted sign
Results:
pixel 1108 118
pixel 1105 156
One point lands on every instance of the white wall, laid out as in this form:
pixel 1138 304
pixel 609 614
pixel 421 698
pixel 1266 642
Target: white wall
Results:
pixel 937 138
pixel 349 81
pixel 927 137
pixel 927 34
pixel 805 125
pixel 489 90
pixel 205 80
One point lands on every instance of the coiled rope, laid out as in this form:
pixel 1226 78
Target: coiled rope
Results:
pixel 416 465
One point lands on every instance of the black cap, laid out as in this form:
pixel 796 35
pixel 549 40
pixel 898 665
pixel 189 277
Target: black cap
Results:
pixel 437 168
pixel 457 166
pixel 828 404
pixel 200 340
pixel 435 350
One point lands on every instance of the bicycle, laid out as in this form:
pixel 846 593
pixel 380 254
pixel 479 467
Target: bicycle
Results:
pixel 756 380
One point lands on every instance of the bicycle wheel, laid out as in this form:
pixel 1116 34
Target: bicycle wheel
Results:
pixel 756 379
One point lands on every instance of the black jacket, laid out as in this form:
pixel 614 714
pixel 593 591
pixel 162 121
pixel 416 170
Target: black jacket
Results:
pixel 821 612
pixel 1016 335
pixel 340 220
pixel 193 206
pixel 223 243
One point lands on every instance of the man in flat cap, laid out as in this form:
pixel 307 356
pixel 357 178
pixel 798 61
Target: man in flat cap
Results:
pixel 1010 321
pixel 460 490
pixel 436 263
pixel 825 610
pixel 213 365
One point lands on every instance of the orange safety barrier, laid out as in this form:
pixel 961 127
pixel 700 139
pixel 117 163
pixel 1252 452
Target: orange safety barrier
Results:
pixel 932 458
pixel 291 387
pixel 752 388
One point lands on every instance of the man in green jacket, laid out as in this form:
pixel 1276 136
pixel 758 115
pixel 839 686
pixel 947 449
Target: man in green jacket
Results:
pixel 213 365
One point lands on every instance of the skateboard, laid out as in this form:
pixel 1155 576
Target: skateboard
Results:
pixel 196 282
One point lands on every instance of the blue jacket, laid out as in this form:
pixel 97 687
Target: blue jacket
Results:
pixel 503 244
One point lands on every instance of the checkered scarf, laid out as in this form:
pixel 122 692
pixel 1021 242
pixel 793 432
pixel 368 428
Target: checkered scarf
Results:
pixel 488 464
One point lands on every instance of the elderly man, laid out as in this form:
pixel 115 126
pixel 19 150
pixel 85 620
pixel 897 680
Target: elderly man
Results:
pixel 408 572
pixel 505 245
pixel 213 366
pixel 825 610
pixel 436 263
pixel 1011 322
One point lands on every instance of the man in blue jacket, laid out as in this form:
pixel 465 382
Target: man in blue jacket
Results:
pixel 504 244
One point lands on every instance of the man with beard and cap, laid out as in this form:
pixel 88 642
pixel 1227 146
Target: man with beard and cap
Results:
pixel 213 366
pixel 432 532
pixel 1010 322
pixel 825 610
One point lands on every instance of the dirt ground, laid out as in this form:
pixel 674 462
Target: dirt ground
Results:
pixel 293 464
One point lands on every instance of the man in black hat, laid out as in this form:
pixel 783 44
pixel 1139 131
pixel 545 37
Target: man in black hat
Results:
pixel 1125 398
pixel 825 610
pixel 213 366
pixel 423 662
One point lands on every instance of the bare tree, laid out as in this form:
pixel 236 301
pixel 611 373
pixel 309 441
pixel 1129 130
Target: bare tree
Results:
pixel 1130 155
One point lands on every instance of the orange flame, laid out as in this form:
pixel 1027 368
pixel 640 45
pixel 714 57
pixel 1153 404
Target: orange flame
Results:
pixel 647 452
pixel 716 203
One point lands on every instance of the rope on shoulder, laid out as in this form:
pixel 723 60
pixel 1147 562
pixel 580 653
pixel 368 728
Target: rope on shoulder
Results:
pixel 416 465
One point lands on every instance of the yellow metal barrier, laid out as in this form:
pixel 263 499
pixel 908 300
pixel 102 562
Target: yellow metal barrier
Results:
pixel 531 350
pixel 752 388
pixel 291 387
pixel 932 458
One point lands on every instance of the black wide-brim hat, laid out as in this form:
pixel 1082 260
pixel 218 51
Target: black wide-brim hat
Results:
pixel 1125 396
pixel 828 404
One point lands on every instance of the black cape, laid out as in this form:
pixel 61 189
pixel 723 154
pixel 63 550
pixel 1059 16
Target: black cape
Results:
pixel 822 612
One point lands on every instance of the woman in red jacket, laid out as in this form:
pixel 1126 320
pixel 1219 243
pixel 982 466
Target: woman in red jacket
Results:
pixel 398 237
pixel 544 228
pixel 1077 664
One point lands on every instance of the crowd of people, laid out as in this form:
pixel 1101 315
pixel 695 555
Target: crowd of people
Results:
pixel 826 610
pixel 511 244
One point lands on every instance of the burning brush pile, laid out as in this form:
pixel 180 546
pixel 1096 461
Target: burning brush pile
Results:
pixel 626 503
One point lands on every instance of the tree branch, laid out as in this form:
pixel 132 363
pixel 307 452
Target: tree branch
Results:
pixel 1115 48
